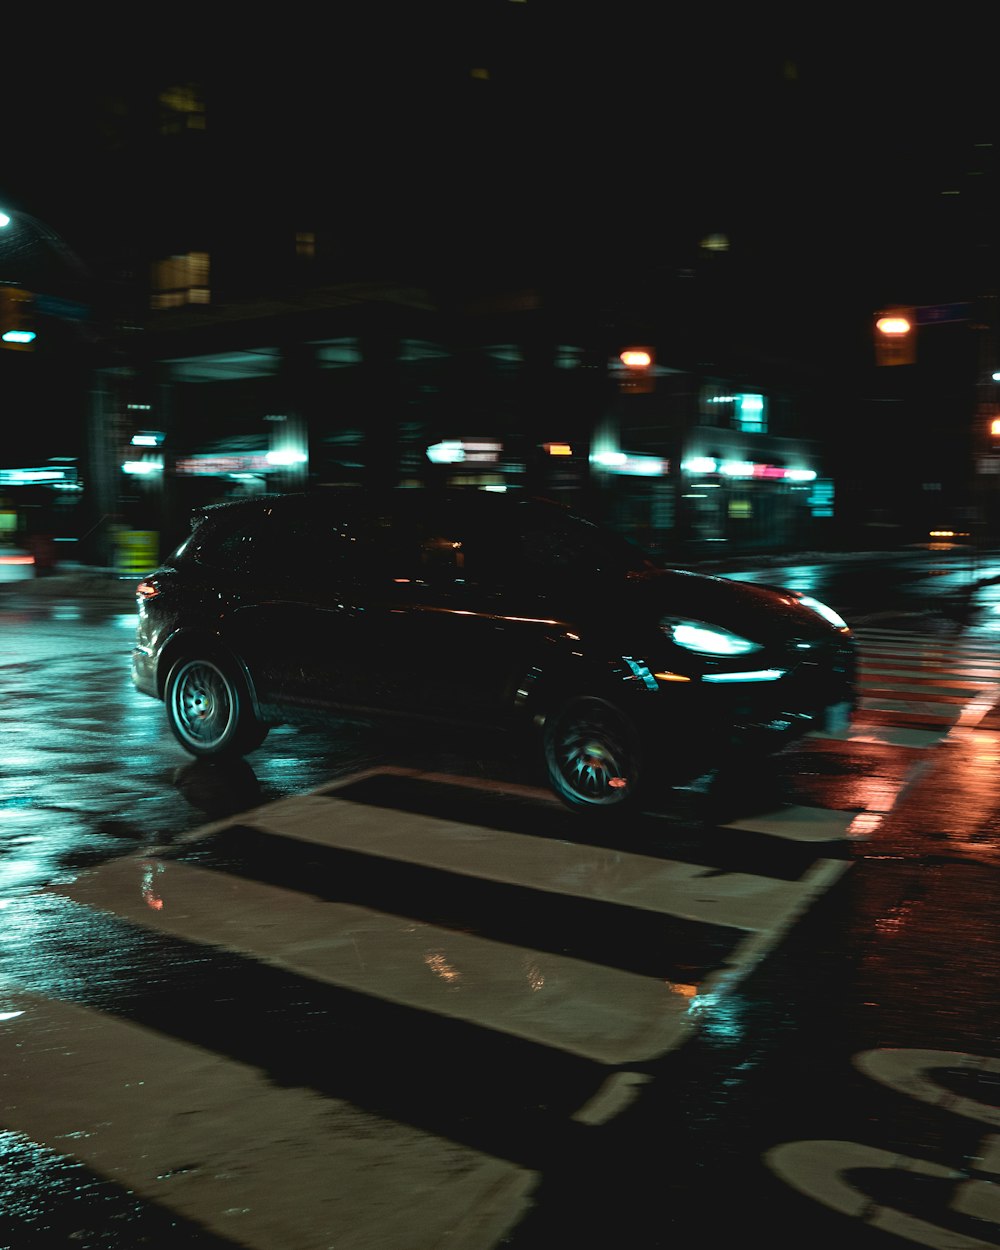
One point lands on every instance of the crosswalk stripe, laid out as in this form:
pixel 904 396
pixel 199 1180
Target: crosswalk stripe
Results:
pixel 918 647
pixel 915 707
pixel 914 680
pixel 798 824
pixel 922 637
pixel 972 670
pixel 666 887
pixel 885 681
pixel 551 999
pixel 214 1140
pixel 865 729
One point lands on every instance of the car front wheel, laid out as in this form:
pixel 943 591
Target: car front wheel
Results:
pixel 592 757
pixel 209 709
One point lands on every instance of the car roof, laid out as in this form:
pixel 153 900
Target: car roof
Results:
pixel 365 499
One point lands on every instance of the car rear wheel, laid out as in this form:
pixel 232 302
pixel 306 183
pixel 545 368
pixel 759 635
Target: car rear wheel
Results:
pixel 209 709
pixel 592 757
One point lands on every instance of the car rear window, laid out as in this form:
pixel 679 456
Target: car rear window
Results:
pixel 281 542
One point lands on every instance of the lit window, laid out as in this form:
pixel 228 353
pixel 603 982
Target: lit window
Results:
pixel 715 404
pixel 305 244
pixel 751 414
pixel 821 498
pixel 180 280
pixel 182 107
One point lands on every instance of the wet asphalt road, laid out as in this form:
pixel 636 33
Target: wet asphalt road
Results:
pixel 841 1083
pixel 88 767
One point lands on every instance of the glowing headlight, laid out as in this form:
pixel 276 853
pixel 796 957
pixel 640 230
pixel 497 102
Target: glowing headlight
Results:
pixel 823 610
pixel 706 639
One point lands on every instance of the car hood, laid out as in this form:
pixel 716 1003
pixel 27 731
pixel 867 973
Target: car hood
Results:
pixel 761 612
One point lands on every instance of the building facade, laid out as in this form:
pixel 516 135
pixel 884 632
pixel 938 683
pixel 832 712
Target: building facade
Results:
pixel 384 393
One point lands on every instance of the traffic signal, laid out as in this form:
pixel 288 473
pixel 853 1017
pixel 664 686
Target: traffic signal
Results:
pixel 17 319
pixel 638 373
pixel 896 337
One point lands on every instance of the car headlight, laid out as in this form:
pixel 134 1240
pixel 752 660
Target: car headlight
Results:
pixel 706 639
pixel 823 610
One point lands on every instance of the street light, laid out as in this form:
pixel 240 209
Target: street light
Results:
pixel 42 276
pixel 22 232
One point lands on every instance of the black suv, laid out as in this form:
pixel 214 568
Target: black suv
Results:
pixel 480 609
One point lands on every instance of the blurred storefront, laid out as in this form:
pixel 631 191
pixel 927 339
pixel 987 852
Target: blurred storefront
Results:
pixel 41 510
pixel 678 462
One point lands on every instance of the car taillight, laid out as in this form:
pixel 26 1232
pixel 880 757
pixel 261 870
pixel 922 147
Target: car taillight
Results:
pixel 147 589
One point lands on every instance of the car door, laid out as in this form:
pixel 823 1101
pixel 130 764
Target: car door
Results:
pixel 298 616
pixel 460 619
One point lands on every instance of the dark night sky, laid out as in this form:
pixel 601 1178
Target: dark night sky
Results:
pixel 609 137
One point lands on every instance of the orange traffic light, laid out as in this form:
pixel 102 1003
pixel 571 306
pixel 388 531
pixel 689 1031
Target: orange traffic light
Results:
pixel 895 337
pixel 893 326
pixel 639 374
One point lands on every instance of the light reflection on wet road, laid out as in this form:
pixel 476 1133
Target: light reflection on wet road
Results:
pixel 88 767
pixel 942 586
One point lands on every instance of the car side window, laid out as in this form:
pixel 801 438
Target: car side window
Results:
pixel 569 548
pixel 236 552
pixel 550 549
pixel 355 547
pixel 481 551
pixel 391 545
pixel 244 545
pixel 445 549
pixel 220 545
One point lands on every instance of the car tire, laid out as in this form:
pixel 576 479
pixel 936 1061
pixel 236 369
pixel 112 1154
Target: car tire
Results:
pixel 209 708
pixel 593 759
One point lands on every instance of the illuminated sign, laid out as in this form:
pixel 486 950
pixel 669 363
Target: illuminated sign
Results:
pixel 464 451
pixel 698 465
pixel 633 465
pixel 219 466
pixel 287 456
pixel 59 479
